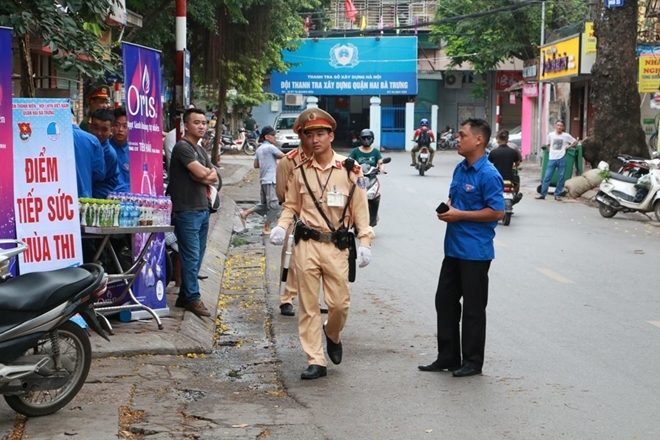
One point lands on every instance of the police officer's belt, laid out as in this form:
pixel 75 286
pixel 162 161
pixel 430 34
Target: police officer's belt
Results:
pixel 307 233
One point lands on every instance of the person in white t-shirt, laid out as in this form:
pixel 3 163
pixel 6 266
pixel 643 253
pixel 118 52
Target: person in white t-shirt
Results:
pixel 558 143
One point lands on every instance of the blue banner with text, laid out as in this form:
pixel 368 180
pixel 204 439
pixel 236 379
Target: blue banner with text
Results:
pixel 351 66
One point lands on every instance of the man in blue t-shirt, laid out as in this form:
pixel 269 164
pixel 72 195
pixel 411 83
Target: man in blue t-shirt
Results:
pixel 266 160
pixel 119 142
pixel 474 207
pixel 90 164
pixel 100 125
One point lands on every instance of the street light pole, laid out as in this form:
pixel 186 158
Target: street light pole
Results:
pixel 541 112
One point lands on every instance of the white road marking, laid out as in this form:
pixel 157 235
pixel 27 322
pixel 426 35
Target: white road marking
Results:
pixel 655 323
pixel 554 275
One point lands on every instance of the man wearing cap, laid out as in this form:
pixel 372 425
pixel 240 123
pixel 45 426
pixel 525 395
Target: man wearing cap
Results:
pixel 327 194
pixel 98 99
pixel 266 160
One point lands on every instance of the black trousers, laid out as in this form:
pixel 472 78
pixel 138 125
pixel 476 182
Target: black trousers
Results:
pixel 465 279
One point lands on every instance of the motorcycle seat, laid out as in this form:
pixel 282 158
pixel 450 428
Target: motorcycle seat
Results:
pixel 622 178
pixel 34 292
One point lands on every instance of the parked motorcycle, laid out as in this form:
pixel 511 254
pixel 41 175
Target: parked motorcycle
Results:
pixel 447 140
pixel 423 156
pixel 242 143
pixel 636 166
pixel 619 193
pixel 44 356
pixel 371 173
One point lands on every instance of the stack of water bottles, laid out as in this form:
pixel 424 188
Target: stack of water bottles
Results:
pixel 126 210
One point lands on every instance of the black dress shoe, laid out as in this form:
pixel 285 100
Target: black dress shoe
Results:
pixel 437 366
pixel 335 351
pixel 286 309
pixel 314 372
pixel 466 370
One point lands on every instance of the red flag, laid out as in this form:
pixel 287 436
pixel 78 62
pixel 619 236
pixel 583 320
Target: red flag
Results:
pixel 350 10
pixel 307 23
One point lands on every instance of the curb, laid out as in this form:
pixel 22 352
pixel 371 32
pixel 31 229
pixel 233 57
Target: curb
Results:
pixel 183 332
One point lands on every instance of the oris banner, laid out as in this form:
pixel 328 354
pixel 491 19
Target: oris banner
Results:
pixel 144 115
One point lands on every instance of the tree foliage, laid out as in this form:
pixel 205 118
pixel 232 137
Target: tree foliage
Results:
pixel 69 28
pixel 487 40
pixel 234 44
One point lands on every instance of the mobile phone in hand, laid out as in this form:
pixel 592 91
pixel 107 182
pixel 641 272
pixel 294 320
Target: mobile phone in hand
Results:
pixel 442 208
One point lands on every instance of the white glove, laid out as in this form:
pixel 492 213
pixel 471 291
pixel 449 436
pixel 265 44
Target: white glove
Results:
pixel 364 256
pixel 277 235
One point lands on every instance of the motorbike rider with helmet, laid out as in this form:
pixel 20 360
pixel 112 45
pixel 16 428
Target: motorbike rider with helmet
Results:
pixel 506 158
pixel 366 153
pixel 423 137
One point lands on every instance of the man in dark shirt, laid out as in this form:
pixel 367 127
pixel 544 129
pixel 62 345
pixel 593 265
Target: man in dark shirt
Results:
pixel 505 158
pixel 191 172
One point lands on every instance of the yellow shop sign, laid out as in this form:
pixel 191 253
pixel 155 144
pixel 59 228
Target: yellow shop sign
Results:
pixel 560 59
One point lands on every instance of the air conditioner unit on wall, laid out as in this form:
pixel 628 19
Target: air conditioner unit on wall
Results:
pixel 453 80
pixel 293 99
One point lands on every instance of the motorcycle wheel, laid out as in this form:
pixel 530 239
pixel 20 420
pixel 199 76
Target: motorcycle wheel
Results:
pixel 656 211
pixel 75 357
pixel 608 212
pixel 422 169
pixel 250 147
pixel 508 212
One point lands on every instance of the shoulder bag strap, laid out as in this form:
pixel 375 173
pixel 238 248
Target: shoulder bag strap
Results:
pixel 316 202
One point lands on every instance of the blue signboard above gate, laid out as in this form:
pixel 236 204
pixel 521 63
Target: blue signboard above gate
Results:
pixel 351 66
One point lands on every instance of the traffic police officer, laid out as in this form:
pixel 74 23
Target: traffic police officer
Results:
pixel 327 194
pixel 98 99
pixel 283 179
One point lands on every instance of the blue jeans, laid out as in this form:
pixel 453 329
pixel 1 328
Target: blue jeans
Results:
pixel 560 166
pixel 191 229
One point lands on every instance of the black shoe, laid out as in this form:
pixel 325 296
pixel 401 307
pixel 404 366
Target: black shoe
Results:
pixel 202 277
pixel 323 310
pixel 180 302
pixel 517 198
pixel 466 370
pixel 286 309
pixel 334 350
pixel 413 164
pixel 314 372
pixel 438 366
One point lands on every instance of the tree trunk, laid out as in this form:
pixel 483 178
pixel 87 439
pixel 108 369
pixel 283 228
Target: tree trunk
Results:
pixel 616 102
pixel 27 83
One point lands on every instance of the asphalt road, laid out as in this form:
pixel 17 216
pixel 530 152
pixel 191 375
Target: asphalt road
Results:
pixel 573 327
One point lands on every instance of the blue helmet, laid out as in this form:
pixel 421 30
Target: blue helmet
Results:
pixel 424 122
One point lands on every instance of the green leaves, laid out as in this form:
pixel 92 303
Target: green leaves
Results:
pixel 487 40
pixel 69 28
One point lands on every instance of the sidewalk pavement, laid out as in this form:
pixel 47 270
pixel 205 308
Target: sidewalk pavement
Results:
pixel 184 332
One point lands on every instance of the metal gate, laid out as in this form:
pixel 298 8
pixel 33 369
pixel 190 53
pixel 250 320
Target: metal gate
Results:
pixel 393 128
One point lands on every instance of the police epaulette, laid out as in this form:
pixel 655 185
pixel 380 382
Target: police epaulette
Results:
pixel 292 154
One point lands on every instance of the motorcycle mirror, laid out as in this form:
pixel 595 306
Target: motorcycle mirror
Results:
pixel 387 159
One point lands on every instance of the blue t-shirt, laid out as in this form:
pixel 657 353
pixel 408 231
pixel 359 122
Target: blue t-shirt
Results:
pixel 124 178
pixel 474 188
pixel 266 157
pixel 90 164
pixel 100 190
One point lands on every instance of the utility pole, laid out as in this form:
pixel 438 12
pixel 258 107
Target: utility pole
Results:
pixel 542 107
pixel 179 86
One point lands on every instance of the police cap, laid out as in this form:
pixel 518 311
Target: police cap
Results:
pixel 313 118
pixel 102 92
